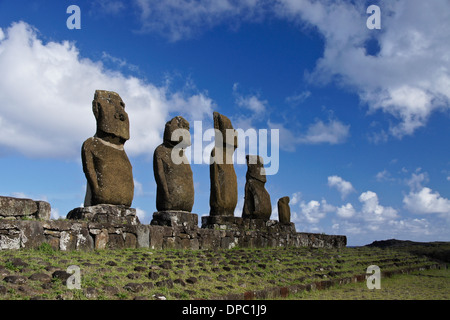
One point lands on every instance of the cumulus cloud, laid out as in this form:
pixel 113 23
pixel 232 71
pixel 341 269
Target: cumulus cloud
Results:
pixel 331 132
pixel 183 19
pixel 346 211
pixel 426 201
pixel 344 187
pixel 314 211
pixel 373 212
pixel 405 78
pixel 47 89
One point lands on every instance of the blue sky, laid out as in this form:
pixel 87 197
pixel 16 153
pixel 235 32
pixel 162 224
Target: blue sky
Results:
pixel 363 115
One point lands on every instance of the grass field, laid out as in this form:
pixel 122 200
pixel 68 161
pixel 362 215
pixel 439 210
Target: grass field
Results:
pixel 212 274
pixel 418 285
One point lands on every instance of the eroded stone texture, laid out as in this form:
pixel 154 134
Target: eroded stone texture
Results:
pixel 105 213
pixel 19 208
pixel 284 211
pixel 106 165
pixel 224 195
pixel 257 203
pixel 172 171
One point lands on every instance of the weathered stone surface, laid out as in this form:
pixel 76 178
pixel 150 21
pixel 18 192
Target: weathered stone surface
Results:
pixel 257 203
pixel 172 171
pixel 106 165
pixel 175 219
pixel 284 211
pixel 224 195
pixel 105 213
pixel 18 208
pixel 222 232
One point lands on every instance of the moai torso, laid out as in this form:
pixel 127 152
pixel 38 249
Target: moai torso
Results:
pixel 224 195
pixel 174 180
pixel 106 165
pixel 284 211
pixel 257 204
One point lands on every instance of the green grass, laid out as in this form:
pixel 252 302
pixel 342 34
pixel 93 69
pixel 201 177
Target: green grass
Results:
pixel 105 274
pixel 419 285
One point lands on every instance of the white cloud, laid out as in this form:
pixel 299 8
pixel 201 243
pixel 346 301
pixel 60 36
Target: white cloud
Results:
pixel 373 212
pixel 406 78
pixel 417 180
pixel 344 187
pixel 296 99
pixel 426 201
pixel 332 132
pixel 383 176
pixel 295 198
pixel 346 211
pixel 47 89
pixel 182 19
pixel 314 211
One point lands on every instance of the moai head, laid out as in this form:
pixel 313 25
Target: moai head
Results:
pixel 229 135
pixel 255 165
pixel 112 120
pixel 176 132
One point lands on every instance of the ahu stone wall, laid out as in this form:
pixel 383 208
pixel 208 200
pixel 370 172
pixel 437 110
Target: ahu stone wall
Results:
pixel 88 235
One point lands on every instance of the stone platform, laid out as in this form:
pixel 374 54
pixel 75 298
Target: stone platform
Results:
pixel 175 219
pixel 105 213
pixel 18 209
pixel 117 227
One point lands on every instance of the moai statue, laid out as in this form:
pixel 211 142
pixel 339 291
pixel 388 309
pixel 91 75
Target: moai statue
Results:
pixel 106 165
pixel 284 211
pixel 224 195
pixel 257 203
pixel 173 174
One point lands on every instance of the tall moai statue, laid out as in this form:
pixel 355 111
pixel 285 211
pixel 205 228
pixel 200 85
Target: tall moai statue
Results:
pixel 257 203
pixel 224 195
pixel 172 171
pixel 105 164
pixel 284 211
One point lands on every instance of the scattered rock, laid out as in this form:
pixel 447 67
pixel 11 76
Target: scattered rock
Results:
pixel 153 275
pixel 180 282
pixel 222 278
pixel 192 280
pixel 133 276
pixel 15 279
pixel 166 265
pixel 133 287
pixel 110 290
pixel 43 277
pixel 159 296
pixel 17 262
pixel 140 268
pixel 62 275
pixel 90 293
pixel 3 290
pixel 111 263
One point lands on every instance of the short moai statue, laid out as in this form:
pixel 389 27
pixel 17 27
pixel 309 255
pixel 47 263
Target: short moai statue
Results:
pixel 257 203
pixel 105 164
pixel 284 211
pixel 172 171
pixel 224 195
